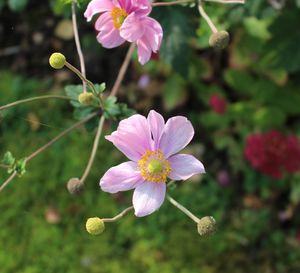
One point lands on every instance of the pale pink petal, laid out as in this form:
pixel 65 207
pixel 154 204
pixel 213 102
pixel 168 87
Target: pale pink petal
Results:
pixel 184 166
pixel 144 51
pixel 141 7
pixel 104 22
pixel 132 28
pixel 150 41
pixel 109 36
pixel 132 137
pixel 148 197
pixel 178 133
pixel 123 177
pixel 157 124
pixel 97 6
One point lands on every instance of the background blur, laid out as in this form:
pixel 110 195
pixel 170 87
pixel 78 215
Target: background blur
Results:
pixel 251 87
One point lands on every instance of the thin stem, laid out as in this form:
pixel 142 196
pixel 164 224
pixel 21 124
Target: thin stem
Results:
pixel 33 99
pixel 206 17
pixel 160 4
pixel 77 42
pixel 94 150
pixel 117 217
pixel 122 70
pixel 4 166
pixel 44 147
pixel 8 180
pixel 183 209
pixel 227 1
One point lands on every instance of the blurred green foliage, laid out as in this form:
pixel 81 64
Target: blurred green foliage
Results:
pixel 42 226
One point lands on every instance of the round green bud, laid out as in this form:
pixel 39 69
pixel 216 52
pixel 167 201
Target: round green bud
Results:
pixel 75 186
pixel 95 226
pixel 206 226
pixel 57 60
pixel 219 40
pixel 86 98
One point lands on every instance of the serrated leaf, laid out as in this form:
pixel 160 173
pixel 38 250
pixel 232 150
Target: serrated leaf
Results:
pixel 73 91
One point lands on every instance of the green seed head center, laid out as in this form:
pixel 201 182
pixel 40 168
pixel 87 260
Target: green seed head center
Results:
pixel 155 166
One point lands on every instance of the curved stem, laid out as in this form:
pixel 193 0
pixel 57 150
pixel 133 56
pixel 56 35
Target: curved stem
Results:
pixel 122 70
pixel 94 150
pixel 44 147
pixel 206 17
pixel 8 180
pixel 171 3
pixel 117 217
pixel 227 1
pixel 77 42
pixel 183 209
pixel 33 99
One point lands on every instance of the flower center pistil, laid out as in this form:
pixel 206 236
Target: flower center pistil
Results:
pixel 154 167
pixel 118 15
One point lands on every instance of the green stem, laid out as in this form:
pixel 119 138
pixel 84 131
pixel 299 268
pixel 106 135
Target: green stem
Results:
pixel 33 99
pixel 171 3
pixel 117 217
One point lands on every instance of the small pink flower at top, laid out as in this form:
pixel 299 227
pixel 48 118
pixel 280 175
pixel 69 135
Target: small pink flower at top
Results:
pixel 273 153
pixel 151 146
pixel 218 104
pixel 126 20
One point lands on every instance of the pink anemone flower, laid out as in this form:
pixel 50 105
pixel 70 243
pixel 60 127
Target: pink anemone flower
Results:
pixel 151 146
pixel 126 20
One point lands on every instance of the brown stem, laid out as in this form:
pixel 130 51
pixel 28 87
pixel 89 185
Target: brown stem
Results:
pixel 122 71
pixel 171 3
pixel 8 180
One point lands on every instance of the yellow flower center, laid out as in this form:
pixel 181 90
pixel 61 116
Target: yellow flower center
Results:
pixel 154 167
pixel 118 15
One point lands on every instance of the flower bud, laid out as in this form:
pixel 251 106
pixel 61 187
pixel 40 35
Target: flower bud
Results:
pixel 75 186
pixel 86 98
pixel 219 40
pixel 57 60
pixel 206 226
pixel 95 226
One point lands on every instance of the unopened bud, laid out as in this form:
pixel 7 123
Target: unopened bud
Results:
pixel 86 98
pixel 95 226
pixel 206 226
pixel 75 186
pixel 57 60
pixel 219 40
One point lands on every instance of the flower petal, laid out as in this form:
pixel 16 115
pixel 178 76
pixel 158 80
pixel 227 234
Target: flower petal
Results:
pixel 108 36
pixel 148 197
pixel 178 133
pixel 150 41
pixel 132 28
pixel 184 166
pixel 132 137
pixel 123 177
pixel 97 6
pixel 157 124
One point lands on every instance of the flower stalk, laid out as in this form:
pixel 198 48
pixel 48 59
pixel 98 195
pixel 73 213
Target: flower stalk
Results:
pixel 118 216
pixel 206 17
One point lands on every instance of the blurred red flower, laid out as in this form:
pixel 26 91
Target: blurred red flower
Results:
pixel 218 104
pixel 272 153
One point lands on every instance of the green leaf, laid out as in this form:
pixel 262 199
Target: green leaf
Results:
pixel 21 167
pixel 8 159
pixel 100 88
pixel 73 91
pixel 116 111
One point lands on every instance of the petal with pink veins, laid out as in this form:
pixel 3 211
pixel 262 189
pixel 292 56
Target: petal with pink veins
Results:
pixel 144 51
pixel 132 28
pixel 178 133
pixel 157 124
pixel 123 177
pixel 148 197
pixel 184 166
pixel 97 6
pixel 132 137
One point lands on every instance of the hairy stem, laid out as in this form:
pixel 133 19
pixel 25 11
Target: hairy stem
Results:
pixel 206 17
pixel 33 99
pixel 183 209
pixel 120 215
pixel 77 42
pixel 94 150
pixel 122 70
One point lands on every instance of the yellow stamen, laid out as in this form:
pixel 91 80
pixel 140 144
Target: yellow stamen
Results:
pixel 118 15
pixel 154 167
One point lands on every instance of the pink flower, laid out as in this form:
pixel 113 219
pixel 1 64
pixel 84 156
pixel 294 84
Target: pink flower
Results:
pixel 218 104
pixel 126 20
pixel 152 146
